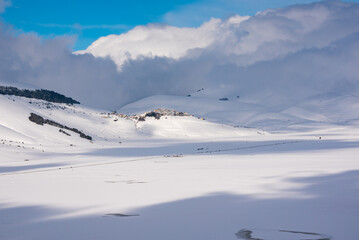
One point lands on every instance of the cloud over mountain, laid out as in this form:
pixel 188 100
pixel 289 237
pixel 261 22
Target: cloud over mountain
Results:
pixel 277 55
pixel 293 53
pixel 49 64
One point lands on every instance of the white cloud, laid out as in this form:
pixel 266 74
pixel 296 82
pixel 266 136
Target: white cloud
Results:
pixel 49 64
pixel 156 41
pixel 275 33
pixel 267 35
pixel 289 54
pixel 4 4
pixel 292 53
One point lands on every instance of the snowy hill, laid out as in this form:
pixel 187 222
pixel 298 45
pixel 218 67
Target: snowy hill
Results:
pixel 101 126
pixel 328 108
pixel 166 171
pixel 242 128
pixel 205 118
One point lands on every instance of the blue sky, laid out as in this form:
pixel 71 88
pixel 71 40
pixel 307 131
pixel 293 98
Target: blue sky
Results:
pixel 89 20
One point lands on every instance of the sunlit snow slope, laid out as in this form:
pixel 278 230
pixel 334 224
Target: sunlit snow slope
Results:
pixel 259 111
pixel 207 172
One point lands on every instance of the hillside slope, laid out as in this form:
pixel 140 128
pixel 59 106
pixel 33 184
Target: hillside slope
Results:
pixel 101 126
pixel 259 112
pixel 176 176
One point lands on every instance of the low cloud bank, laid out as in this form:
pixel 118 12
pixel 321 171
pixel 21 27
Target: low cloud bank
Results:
pixel 278 55
pixel 49 64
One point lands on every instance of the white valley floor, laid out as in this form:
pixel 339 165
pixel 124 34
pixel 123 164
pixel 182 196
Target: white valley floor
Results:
pixel 185 190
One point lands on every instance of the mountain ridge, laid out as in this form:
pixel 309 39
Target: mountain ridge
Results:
pixel 41 94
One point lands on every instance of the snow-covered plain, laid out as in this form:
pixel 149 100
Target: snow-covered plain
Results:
pixel 294 175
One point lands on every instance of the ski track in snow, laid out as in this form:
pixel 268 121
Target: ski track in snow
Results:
pixel 149 158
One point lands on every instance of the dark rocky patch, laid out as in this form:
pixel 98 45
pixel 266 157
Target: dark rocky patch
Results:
pixel 41 94
pixel 41 121
pixel 157 114
pixel 66 133
pixel 307 233
pixel 122 215
pixel 37 119
pixel 246 235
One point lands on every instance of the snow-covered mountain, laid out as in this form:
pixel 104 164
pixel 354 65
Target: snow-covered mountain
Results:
pixel 185 167
pixel 198 115
pixel 242 128
pixel 109 126
pixel 330 108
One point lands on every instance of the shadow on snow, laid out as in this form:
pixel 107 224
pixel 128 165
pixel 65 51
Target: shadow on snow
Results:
pixel 332 210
